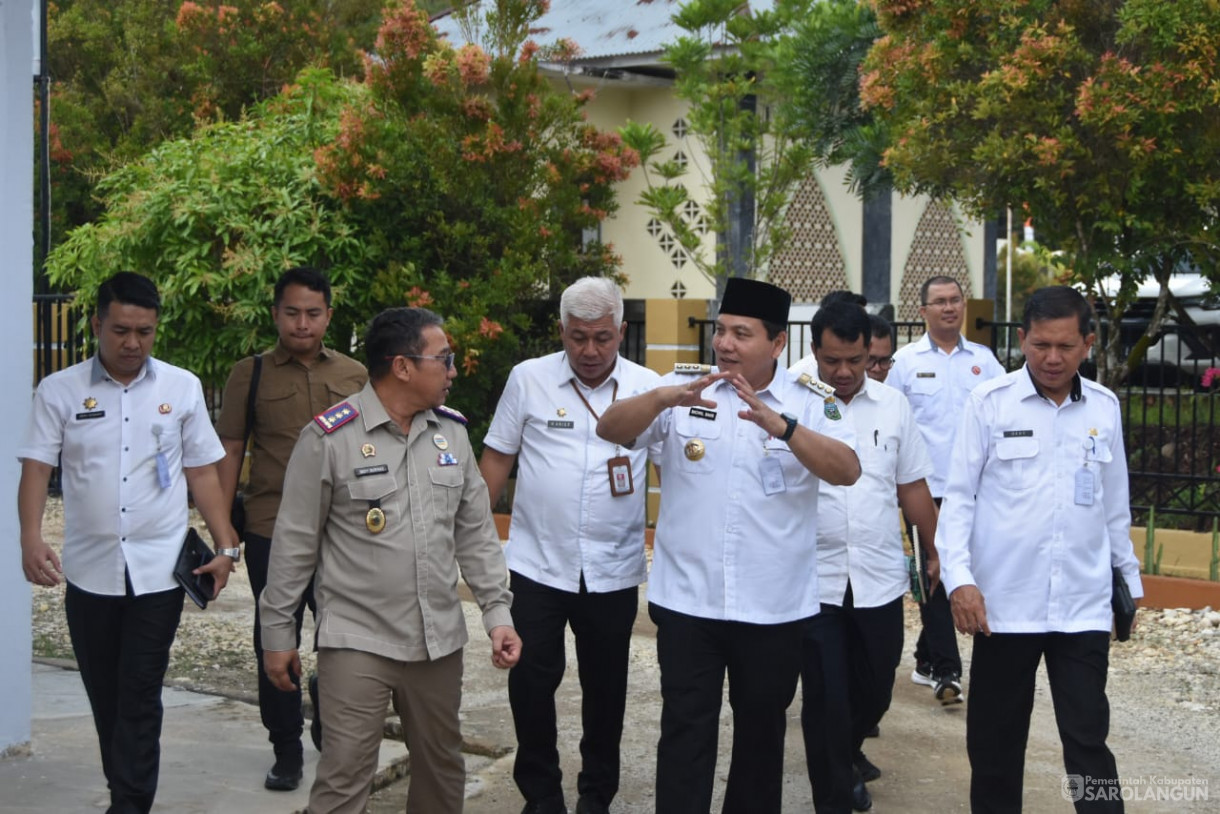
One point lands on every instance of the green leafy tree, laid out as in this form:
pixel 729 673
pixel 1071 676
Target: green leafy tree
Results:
pixel 818 74
pixel 448 178
pixel 214 219
pixel 723 64
pixel 129 74
pixel 1099 118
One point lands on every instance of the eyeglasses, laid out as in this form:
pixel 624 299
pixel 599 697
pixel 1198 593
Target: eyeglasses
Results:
pixel 447 358
pixel 955 302
pixel 883 362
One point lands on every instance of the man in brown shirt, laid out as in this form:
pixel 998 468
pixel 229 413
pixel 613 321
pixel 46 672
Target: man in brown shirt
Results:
pixel 299 378
pixel 384 501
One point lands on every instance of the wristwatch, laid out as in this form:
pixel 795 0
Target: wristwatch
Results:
pixel 235 553
pixel 791 419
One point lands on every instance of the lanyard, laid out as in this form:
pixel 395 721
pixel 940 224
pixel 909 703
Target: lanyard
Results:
pixel 584 401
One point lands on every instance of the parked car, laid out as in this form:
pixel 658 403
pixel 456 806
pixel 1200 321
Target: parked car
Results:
pixel 1181 352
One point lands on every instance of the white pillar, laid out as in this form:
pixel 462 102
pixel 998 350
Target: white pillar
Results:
pixel 16 364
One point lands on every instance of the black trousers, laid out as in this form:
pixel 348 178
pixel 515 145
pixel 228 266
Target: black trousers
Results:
pixel 826 715
pixel 1002 675
pixel 601 624
pixel 937 642
pixel 280 711
pixel 122 648
pixel 874 650
pixel 762 663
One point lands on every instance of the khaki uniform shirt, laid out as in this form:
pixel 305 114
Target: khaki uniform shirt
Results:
pixel 393 591
pixel 289 395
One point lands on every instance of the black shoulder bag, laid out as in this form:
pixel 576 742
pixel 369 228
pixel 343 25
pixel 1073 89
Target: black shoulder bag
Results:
pixel 237 515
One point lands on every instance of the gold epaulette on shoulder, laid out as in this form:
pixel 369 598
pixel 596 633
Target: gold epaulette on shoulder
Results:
pixel 336 416
pixel 816 385
pixel 449 412
pixel 691 367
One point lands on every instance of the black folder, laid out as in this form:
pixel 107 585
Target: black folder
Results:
pixel 1123 606
pixel 194 554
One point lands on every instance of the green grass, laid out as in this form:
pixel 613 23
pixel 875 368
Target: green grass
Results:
pixel 1171 410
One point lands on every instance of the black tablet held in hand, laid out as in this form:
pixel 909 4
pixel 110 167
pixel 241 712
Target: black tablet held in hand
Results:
pixel 194 554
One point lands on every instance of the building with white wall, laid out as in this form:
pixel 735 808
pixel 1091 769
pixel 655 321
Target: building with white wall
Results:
pixel 620 57
pixel 17 61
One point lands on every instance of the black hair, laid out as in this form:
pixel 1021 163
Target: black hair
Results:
pixel 1057 302
pixel 772 328
pixel 844 296
pixel 395 332
pixel 844 318
pixel 127 288
pixel 881 328
pixel 939 279
pixel 307 276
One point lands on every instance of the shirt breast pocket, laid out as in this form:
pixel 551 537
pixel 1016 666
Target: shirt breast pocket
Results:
pixel 693 436
pixel 447 484
pixel 1016 463
pixel 373 493
pixel 924 389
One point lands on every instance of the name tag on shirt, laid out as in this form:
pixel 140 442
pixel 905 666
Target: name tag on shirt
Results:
pixel 560 425
pixel 772 475
pixel 927 374
pixel 365 471
pixel 1018 433
pixel 93 414
pixel 700 412
pixel 1084 487
pixel 163 479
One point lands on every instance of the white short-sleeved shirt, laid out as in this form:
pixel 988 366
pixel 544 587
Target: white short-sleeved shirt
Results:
pixel 724 548
pixel 1012 522
pixel 859 527
pixel 565 521
pixel 105 436
pixel 937 384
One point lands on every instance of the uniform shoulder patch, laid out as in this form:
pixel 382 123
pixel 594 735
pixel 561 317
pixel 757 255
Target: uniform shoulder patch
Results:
pixel 449 412
pixel 692 367
pixel 816 385
pixel 336 416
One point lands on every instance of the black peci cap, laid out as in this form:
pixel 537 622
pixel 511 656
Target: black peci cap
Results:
pixel 754 298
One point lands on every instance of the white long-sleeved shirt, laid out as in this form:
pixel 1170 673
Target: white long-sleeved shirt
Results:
pixel 1012 522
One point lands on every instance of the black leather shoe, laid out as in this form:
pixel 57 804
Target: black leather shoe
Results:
pixel 285 775
pixel 875 732
pixel 591 805
pixel 861 800
pixel 865 768
pixel 315 725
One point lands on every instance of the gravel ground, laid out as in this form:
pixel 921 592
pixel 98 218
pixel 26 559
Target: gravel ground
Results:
pixel 1164 686
pixel 213 651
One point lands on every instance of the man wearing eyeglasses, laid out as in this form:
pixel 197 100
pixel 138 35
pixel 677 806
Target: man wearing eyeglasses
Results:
pixel 384 499
pixel 297 379
pixel 880 348
pixel 936 373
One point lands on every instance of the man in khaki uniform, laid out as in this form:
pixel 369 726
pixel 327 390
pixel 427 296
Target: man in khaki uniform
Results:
pixel 297 379
pixel 383 498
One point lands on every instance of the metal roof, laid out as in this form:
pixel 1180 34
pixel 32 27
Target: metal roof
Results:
pixel 604 29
